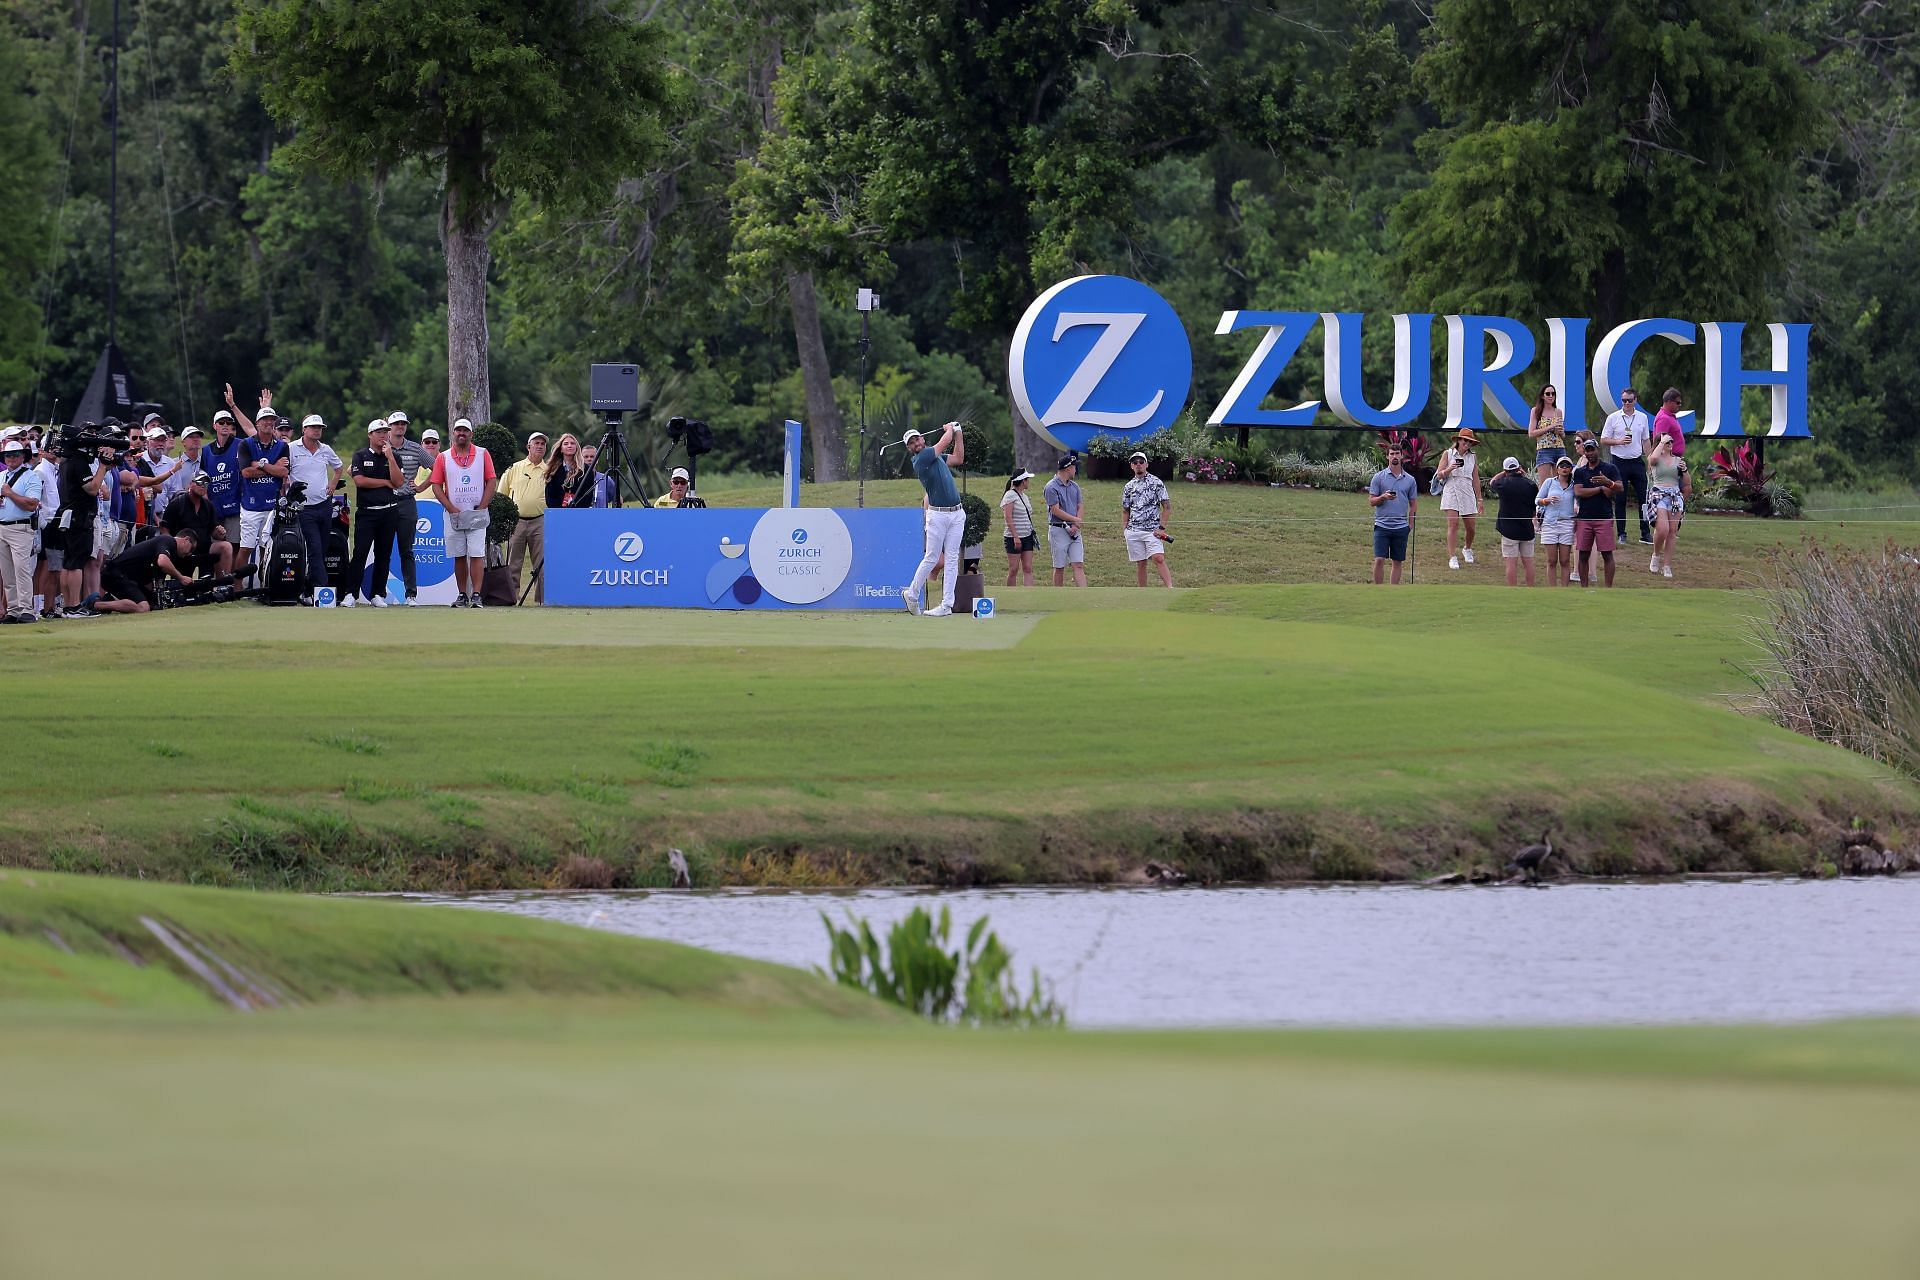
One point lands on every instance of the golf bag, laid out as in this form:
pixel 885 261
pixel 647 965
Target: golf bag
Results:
pixel 286 578
pixel 339 557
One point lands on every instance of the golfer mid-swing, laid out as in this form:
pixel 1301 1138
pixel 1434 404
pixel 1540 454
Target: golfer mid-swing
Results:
pixel 945 518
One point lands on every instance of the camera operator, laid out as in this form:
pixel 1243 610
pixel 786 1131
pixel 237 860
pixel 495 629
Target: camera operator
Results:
pixel 263 473
pixel 20 488
pixel 82 477
pixel 318 467
pixel 193 512
pixel 126 583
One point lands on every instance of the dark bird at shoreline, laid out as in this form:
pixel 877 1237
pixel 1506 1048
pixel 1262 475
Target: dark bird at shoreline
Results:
pixel 1532 858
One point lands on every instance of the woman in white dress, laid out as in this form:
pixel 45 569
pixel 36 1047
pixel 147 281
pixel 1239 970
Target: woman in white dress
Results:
pixel 1459 477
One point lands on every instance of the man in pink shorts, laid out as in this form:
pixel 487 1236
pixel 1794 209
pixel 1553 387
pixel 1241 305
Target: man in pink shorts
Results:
pixel 1595 482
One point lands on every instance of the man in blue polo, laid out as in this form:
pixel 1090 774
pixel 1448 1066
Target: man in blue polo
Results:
pixel 1391 494
pixel 945 518
pixel 263 472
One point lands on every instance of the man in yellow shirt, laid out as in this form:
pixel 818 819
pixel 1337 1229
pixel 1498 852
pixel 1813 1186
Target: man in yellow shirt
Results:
pixel 525 483
pixel 677 489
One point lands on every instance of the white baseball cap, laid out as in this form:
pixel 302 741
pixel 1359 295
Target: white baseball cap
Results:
pixel 156 433
pixel 378 424
pixel 223 415
pixel 429 434
pixel 911 435
pixel 463 424
pixel 192 431
pixel 313 420
pixel 398 415
pixel 680 473
pixel 1511 464
pixel 268 412
pixel 538 435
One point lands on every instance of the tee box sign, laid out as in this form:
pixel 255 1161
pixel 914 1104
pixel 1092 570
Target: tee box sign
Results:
pixel 732 558
pixel 1105 355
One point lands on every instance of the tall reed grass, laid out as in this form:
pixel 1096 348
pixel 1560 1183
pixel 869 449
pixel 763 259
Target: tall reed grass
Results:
pixel 1841 647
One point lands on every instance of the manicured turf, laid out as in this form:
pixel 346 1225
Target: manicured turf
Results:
pixel 703 1116
pixel 1328 731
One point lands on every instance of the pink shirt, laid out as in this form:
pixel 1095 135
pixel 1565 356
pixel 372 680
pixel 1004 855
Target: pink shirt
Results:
pixel 1666 424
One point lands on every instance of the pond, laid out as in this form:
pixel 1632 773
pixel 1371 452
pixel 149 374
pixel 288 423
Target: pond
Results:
pixel 1686 951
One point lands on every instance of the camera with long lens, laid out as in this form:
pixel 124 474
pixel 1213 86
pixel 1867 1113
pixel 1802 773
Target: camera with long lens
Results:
pixel 168 594
pixel 88 438
pixel 696 435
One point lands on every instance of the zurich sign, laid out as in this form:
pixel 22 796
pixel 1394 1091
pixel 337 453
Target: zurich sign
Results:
pixel 1100 355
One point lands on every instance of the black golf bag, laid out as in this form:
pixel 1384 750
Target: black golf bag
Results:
pixel 286 579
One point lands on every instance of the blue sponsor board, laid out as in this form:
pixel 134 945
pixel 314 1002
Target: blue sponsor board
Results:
pixel 722 558
pixel 432 571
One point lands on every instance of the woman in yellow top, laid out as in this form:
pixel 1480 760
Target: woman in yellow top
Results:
pixel 1548 435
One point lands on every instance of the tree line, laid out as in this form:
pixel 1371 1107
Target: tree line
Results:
pixel 456 206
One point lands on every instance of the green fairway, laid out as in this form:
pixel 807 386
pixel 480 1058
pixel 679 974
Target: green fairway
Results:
pixel 1245 732
pixel 601 1105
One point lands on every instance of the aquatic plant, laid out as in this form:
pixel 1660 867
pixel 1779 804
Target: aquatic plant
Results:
pixel 1842 651
pixel 973 984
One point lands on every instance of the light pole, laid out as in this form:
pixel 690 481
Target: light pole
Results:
pixel 866 302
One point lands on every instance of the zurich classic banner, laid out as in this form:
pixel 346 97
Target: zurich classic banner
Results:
pixel 732 558
pixel 432 571
pixel 1106 355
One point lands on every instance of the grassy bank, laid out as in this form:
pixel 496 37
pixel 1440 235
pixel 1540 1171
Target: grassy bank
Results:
pixel 548 1122
pixel 1245 733
pixel 120 943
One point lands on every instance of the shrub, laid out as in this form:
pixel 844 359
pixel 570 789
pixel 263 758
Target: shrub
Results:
pixel 1737 478
pixel 973 984
pixel 979 520
pixel 579 872
pixel 499 443
pixel 1161 444
pixel 502 517
pixel 1842 646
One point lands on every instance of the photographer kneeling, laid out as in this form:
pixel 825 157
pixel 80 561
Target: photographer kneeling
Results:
pixel 126 581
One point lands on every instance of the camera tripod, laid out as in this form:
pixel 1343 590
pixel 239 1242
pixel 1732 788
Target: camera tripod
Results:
pixel 614 460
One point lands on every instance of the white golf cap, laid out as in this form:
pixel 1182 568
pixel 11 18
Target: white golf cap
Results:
pixel 266 413
pixel 1024 475
pixel 680 473
pixel 398 415
pixel 1511 464
pixel 429 434
pixel 12 444
pixel 463 424
pixel 224 416
pixel 313 420
pixel 911 435
pixel 191 431
pixel 156 433
pixel 378 424
pixel 150 419
pixel 538 435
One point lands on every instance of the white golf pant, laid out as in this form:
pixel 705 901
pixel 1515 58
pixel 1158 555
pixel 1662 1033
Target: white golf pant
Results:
pixel 943 538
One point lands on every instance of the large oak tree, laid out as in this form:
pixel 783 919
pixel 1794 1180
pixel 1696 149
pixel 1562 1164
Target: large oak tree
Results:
pixel 554 99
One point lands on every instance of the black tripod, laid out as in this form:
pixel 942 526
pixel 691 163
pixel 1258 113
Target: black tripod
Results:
pixel 615 461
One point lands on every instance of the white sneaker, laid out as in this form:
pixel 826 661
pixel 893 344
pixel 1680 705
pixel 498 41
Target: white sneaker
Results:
pixel 1453 562
pixel 939 611
pixel 411 603
pixel 1574 576
pixel 1666 571
pixel 1653 565
pixel 379 602
pixel 910 600
pixel 1466 553
pixel 346 601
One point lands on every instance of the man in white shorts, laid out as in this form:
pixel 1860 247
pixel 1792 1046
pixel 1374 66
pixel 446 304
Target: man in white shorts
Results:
pixel 1062 497
pixel 1143 508
pixel 464 483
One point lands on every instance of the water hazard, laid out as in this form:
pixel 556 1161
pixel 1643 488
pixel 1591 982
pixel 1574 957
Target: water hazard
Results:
pixel 1752 950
